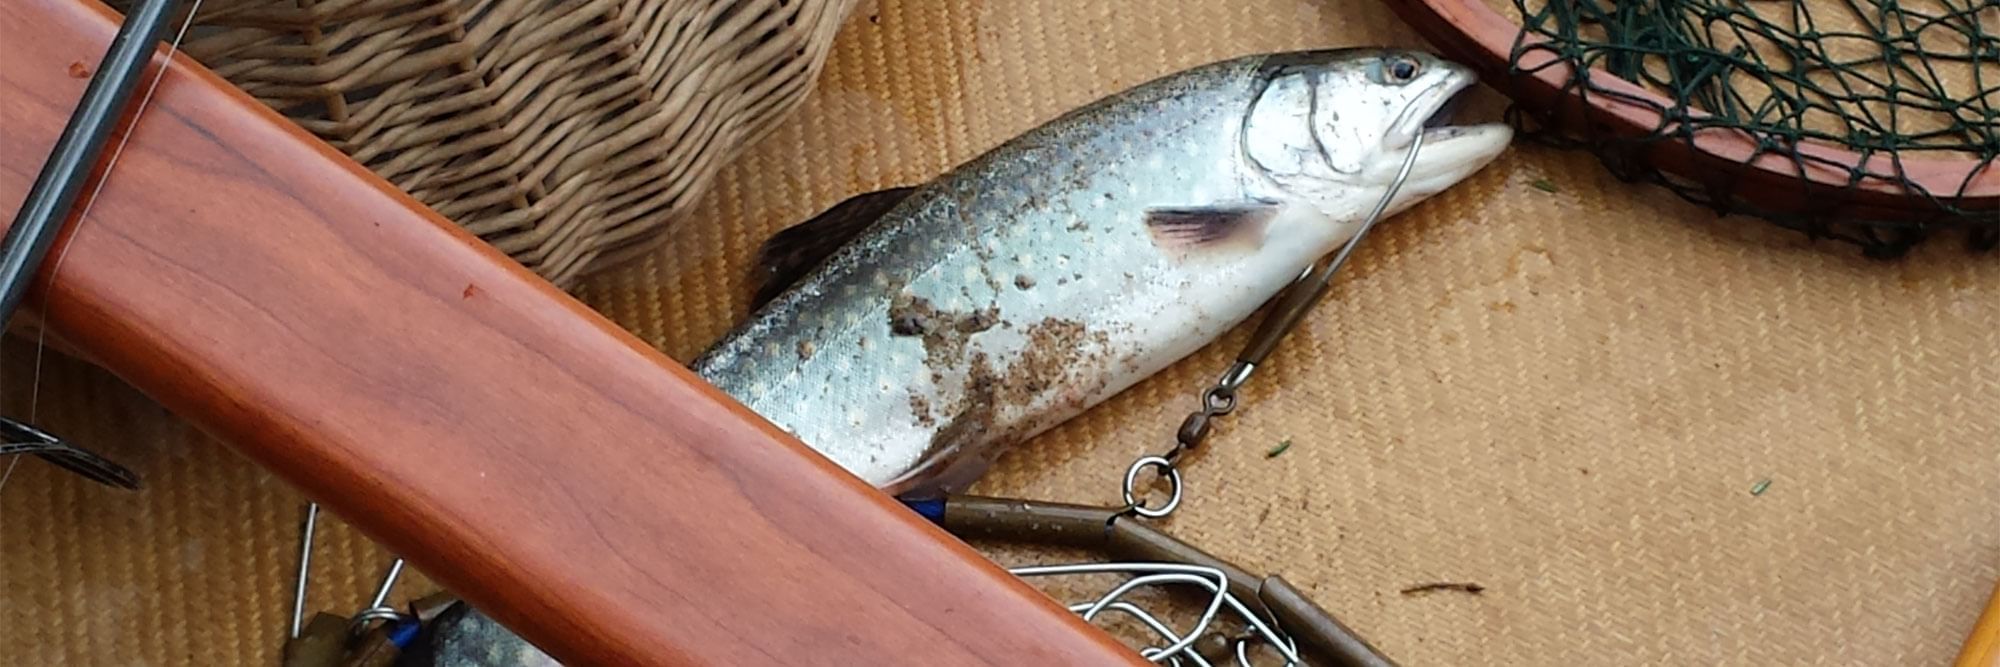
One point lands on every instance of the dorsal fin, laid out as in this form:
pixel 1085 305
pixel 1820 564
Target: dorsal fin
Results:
pixel 792 253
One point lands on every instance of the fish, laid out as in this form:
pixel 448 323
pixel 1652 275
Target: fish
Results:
pixel 914 334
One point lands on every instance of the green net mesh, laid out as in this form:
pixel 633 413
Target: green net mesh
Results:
pixel 1878 77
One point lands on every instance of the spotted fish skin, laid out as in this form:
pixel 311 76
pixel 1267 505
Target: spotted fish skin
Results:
pixel 1058 269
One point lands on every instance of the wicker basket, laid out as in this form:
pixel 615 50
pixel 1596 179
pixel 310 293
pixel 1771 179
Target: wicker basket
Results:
pixel 567 133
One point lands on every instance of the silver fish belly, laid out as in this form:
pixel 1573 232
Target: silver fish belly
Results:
pixel 1045 276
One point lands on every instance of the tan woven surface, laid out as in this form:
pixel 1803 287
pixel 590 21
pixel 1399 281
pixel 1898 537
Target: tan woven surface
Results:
pixel 1566 397
pixel 568 134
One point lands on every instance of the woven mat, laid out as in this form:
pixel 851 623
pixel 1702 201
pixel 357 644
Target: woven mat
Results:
pixel 1566 397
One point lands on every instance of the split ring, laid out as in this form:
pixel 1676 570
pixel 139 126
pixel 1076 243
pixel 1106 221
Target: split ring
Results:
pixel 1168 471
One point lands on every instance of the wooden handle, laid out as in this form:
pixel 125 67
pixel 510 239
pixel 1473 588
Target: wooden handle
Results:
pixel 530 455
pixel 1982 649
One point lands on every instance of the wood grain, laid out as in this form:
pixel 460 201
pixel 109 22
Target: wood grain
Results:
pixel 1474 33
pixel 1982 647
pixel 524 451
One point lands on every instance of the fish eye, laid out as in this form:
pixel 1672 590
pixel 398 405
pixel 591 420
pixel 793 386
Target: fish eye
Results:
pixel 1395 70
pixel 1403 69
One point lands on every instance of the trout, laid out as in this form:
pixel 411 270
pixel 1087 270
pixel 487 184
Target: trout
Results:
pixel 911 335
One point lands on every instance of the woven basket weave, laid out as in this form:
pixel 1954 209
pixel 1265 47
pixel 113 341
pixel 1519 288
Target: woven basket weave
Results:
pixel 567 133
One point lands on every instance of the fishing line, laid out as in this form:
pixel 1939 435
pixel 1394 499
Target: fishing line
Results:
pixel 1220 398
pixel 83 216
pixel 1290 307
pixel 1209 580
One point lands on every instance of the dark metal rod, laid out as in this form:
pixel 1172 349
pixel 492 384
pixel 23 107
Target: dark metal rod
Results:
pixel 77 151
pixel 1107 529
pixel 1317 630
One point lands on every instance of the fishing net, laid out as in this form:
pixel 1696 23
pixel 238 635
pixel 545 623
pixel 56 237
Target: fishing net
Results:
pixel 1889 82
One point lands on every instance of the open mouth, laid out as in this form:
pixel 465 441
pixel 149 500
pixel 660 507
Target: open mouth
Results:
pixel 1445 113
pixel 1438 125
pixel 1453 96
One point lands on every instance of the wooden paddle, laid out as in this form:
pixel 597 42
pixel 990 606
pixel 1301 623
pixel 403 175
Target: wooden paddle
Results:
pixel 524 451
pixel 1982 649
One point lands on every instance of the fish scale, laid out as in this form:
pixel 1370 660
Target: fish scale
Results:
pixel 1046 275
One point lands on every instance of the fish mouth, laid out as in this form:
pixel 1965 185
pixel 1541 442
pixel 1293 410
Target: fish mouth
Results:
pixel 1450 151
pixel 1447 112
pixel 1437 108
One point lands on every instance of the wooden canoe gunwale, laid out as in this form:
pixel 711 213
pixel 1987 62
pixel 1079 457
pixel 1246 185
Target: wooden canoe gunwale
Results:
pixel 522 450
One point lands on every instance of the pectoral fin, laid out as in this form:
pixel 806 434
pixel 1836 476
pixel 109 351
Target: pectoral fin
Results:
pixel 1209 229
pixel 790 254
